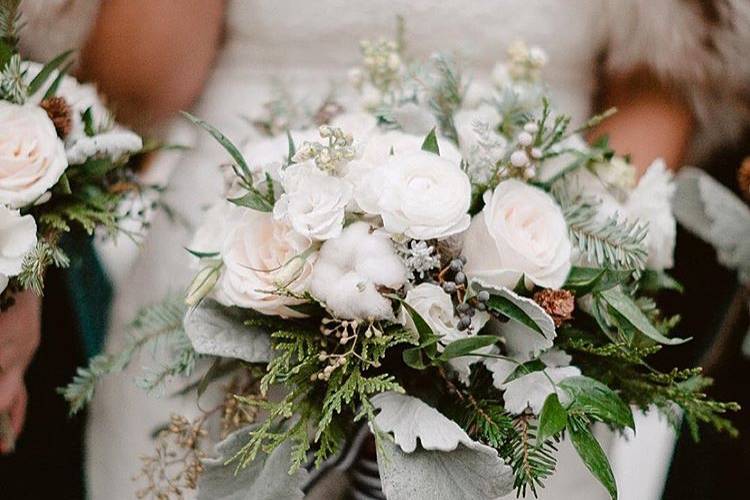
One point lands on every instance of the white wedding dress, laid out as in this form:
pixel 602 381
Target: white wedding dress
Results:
pixel 309 44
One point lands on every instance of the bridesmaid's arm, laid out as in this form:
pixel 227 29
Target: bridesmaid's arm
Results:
pixel 152 57
pixel 652 121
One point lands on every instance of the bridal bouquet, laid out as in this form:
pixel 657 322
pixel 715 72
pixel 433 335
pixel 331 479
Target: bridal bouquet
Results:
pixel 63 163
pixel 446 265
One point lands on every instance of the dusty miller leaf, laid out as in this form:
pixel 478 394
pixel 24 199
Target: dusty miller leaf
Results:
pixel 216 330
pixel 265 478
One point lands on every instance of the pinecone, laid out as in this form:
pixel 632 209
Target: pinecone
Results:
pixel 559 304
pixel 59 112
pixel 743 178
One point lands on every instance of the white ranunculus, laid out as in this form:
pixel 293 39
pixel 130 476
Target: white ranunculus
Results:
pixel 17 238
pixel 32 157
pixel 313 202
pixel 419 194
pixel 263 258
pixel 435 306
pixel 520 232
pixel 351 268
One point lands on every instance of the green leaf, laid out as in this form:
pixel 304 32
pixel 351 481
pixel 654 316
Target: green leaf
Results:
pixel 430 143
pixel 597 400
pixel 630 311
pixel 52 90
pixel 87 117
pixel 535 365
pixel 552 419
pixel 63 185
pixel 592 454
pixel 254 200
pixel 202 255
pixel 462 347
pixel 225 143
pixel 6 52
pixel 414 358
pixel 96 167
pixel 46 71
pixel 585 280
pixel 513 311
pixel 654 281
pixel 292 149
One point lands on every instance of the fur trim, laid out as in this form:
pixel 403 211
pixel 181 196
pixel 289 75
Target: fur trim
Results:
pixel 701 46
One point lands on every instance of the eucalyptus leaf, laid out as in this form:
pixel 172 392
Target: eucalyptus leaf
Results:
pixel 225 143
pixel 36 83
pixel 596 399
pixel 629 310
pixel 468 345
pixel 654 281
pixel 216 330
pixel 535 365
pixel 592 455
pixel 464 473
pixel 585 280
pixel 265 478
pixel 431 143
pixel 552 419
pixel 52 89
pixel 254 200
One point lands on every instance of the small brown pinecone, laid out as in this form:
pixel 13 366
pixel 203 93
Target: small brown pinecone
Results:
pixel 559 304
pixel 59 112
pixel 743 178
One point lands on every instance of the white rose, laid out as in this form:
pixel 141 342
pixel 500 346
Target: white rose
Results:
pixel 420 194
pixel 218 220
pixel 32 157
pixel 520 232
pixel 17 238
pixel 349 270
pixel 262 256
pixel 313 202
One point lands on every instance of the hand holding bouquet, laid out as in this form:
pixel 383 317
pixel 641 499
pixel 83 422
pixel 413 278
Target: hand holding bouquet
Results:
pixel 447 266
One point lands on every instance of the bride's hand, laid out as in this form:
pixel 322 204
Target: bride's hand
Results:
pixel 20 330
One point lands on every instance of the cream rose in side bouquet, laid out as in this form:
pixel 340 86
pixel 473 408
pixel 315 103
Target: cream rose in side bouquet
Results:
pixel 63 166
pixel 463 278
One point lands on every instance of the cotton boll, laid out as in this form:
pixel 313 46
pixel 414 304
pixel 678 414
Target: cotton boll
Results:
pixel 349 270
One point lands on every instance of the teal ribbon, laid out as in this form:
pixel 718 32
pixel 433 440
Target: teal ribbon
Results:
pixel 90 290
